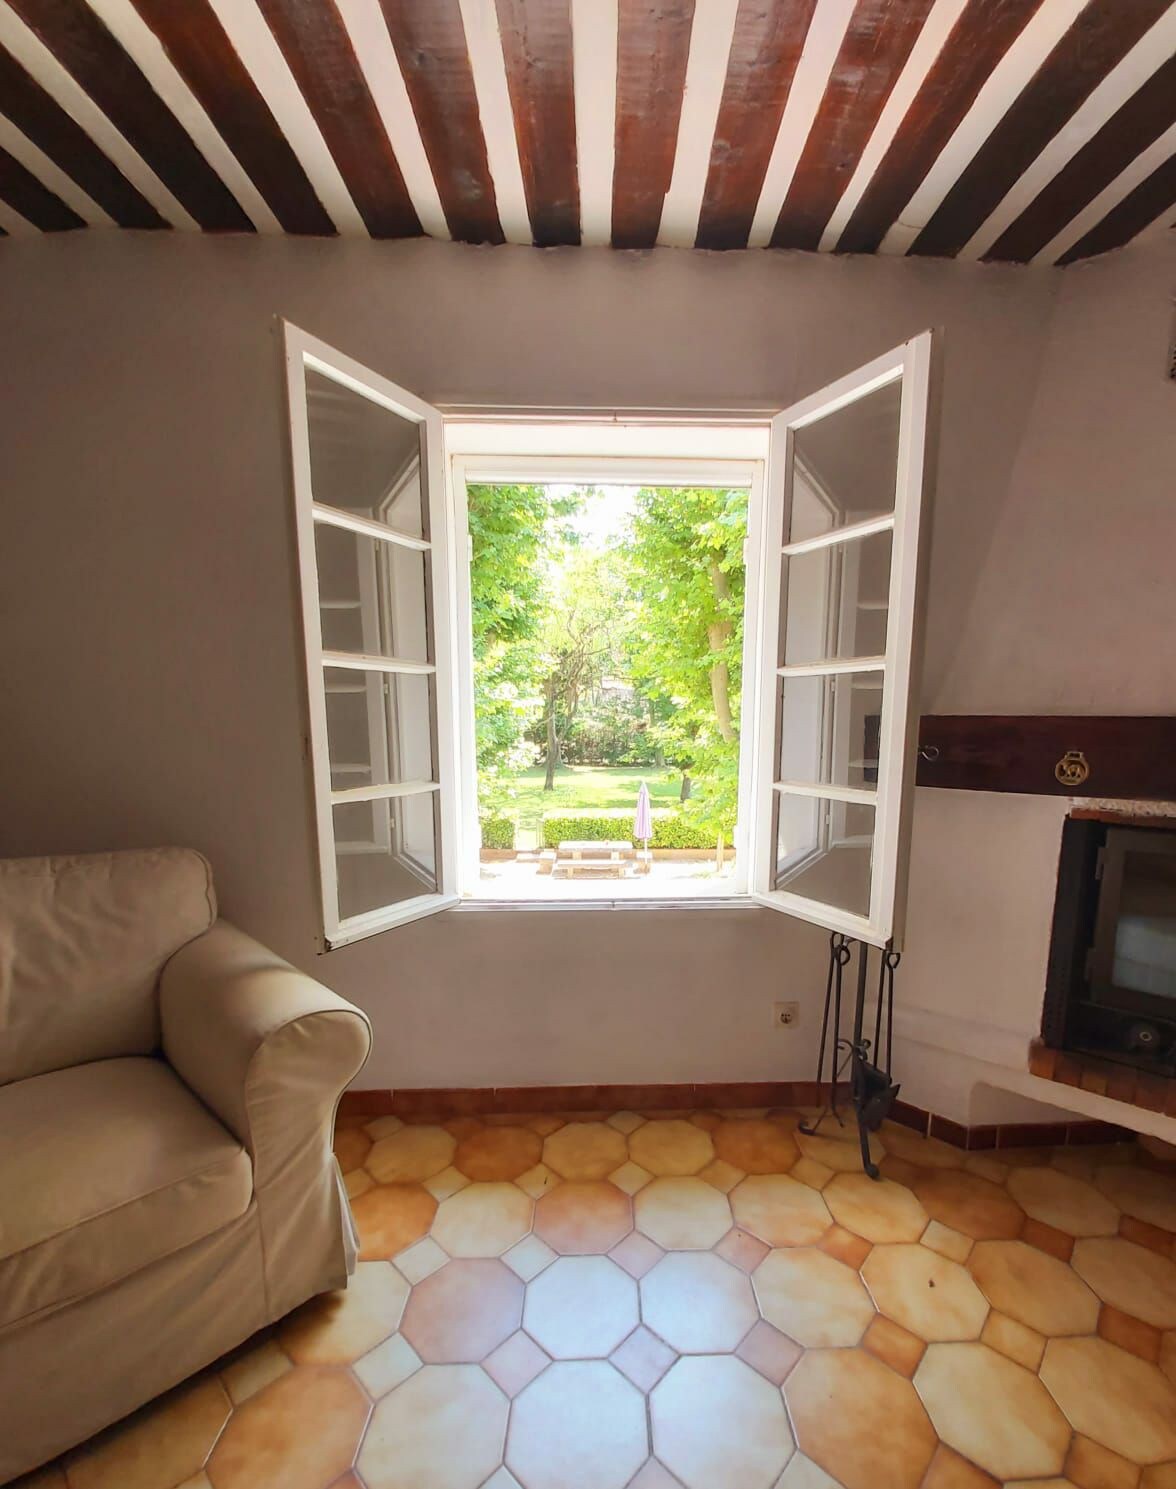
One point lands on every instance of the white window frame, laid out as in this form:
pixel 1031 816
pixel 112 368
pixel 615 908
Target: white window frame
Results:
pixel 303 353
pixel 892 797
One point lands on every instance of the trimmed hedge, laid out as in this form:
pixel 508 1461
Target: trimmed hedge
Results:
pixel 670 829
pixel 498 832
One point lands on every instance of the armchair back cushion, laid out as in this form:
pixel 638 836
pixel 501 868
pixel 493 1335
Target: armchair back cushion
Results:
pixel 83 940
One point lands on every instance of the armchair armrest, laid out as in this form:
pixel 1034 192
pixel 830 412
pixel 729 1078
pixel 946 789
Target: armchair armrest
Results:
pixel 267 1048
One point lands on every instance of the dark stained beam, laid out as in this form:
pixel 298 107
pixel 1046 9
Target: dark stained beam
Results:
pixel 1106 155
pixel 196 42
pixel 319 53
pixel 68 145
pixel 34 201
pixel 765 49
pixel 537 49
pixel 88 51
pixel 877 43
pixel 976 43
pixel 431 47
pixel 653 43
pixel 1103 33
pixel 1155 195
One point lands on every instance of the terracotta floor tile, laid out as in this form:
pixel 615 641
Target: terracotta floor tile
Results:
pixel 876 1209
pixel 859 1420
pixel 585 1150
pixel 812 1298
pixel 947 1242
pixel 580 1425
pixel 987 1167
pixel 390 1217
pixel 1143 1234
pixel 449 1181
pixel 515 1363
pixel 380 1127
pixel 461 1313
pixel 420 1260
pixel 949 1471
pixel 630 1177
pixel 654 1476
pixel 581 1307
pixel 682 1214
pixel 761 1146
pixel 674 1147
pixel 970 1204
pixel 643 1358
pixel 721 1175
pixel 537 1181
pixel 1131 1334
pixel 1091 1466
pixel 411 1154
pixel 636 1253
pixel 336 1328
pixel 894 1345
pixel 769 1351
pixel 1132 1278
pixel 698 1303
pixel 1014 1339
pixel 1068 1204
pixel 580 1218
pixel 498 1153
pixel 803 1473
pixel 544 1123
pixel 808 1171
pixel 463 1127
pixel 382 1369
pixel 1162 1476
pixel 1167 1361
pixel 837 1147
pixel 923 1152
pixel 357 1182
pixel 625 1122
pixel 351 1146
pixel 483 1220
pixel 529 1257
pixel 1121 1402
pixel 301 1432
pixel 742 1250
pixel 1018 1433
pixel 1141 1192
pixel 707 1120
pixel 501 1478
pixel 52 1477
pixel 1047 1238
pixel 159 1445
pixel 924 1292
pixel 718 1424
pixel 1033 1287
pixel 444 1427
pixel 248 1373
pixel 845 1246
pixel 779 1210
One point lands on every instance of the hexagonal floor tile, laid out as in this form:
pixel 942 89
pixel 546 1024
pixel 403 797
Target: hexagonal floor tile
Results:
pixel 1122 1402
pixel 992 1411
pixel 757 1145
pixel 859 1421
pixel 717 1424
pixel 1141 1192
pixel 483 1219
pixel 968 1203
pixel 780 1211
pixel 462 1312
pixel 579 1219
pixel 837 1147
pixel 581 1307
pixel 585 1150
pixel 351 1146
pixel 1033 1288
pixel 445 1426
pixel 671 1147
pixel 698 1303
pixel 411 1154
pixel 498 1153
pixel 301 1432
pixel 1129 1277
pixel 812 1298
pixel 390 1217
pixel 924 1292
pixel 164 1442
pixel 877 1209
pixel 580 1425
pixel 336 1328
pixel 682 1214
pixel 914 1147
pixel 1068 1204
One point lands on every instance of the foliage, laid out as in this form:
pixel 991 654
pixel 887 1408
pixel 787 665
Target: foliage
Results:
pixel 612 730
pixel 671 829
pixel 498 832
pixel 582 788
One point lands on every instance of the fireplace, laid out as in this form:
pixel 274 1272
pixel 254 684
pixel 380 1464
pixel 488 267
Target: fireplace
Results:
pixel 1111 981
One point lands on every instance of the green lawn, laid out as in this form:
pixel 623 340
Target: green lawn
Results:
pixel 588 787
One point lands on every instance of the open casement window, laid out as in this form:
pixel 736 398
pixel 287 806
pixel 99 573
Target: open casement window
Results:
pixel 374 568
pixel 843 532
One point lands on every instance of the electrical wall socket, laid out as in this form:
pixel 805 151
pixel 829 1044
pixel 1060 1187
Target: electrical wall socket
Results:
pixel 785 1015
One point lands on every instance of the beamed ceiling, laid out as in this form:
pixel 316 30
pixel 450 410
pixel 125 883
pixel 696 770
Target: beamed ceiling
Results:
pixel 1024 130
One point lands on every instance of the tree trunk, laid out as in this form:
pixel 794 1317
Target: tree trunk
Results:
pixel 718 635
pixel 686 787
pixel 552 738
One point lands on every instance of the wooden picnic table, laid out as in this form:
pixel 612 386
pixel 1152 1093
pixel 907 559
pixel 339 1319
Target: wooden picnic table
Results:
pixel 611 856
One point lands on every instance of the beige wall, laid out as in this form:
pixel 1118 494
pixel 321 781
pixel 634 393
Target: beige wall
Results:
pixel 152 672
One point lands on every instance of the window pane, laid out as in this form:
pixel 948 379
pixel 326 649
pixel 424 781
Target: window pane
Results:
pixel 372 595
pixel 845 466
pixel 379 727
pixel 824 850
pixel 385 851
pixel 830 728
pixel 836 600
pixel 364 458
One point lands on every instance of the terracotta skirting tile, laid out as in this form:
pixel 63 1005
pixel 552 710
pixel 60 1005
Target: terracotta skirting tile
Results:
pixel 913 1117
pixel 1031 1135
pixel 1042 1060
pixel 948 1131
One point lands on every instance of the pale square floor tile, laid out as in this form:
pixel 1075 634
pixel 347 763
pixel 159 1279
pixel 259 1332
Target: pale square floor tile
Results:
pixel 625 1121
pixel 950 1243
pixel 502 1478
pixel 246 1376
pixel 721 1175
pixel 420 1260
pixel 383 1368
pixel 630 1177
pixel 529 1257
pixel 358 1182
pixel 448 1181
pixel 537 1181
pixel 808 1171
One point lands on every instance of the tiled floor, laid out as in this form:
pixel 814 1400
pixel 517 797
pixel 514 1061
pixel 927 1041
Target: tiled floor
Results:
pixel 710 1300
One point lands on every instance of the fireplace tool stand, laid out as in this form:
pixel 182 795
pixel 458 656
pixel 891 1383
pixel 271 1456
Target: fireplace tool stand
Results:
pixel 871 1090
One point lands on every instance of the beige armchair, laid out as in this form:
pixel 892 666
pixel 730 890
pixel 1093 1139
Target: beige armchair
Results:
pixel 167 1094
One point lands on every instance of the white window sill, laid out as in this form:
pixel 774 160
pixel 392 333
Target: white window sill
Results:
pixel 694 902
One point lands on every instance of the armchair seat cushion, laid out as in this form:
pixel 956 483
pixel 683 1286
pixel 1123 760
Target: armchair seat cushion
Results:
pixel 105 1168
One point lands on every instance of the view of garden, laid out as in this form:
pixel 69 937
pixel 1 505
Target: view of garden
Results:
pixel 608 636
